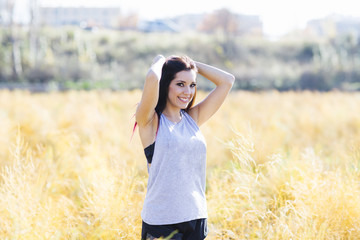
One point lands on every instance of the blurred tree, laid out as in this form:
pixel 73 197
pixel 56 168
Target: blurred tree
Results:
pixel 40 74
pixel 315 80
pixel 129 22
pixel 33 31
pixel 16 67
pixel 306 52
pixel 220 20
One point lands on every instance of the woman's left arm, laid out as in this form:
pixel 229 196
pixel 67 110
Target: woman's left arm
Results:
pixel 223 81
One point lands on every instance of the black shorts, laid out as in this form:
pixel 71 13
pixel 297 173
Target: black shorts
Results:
pixel 191 230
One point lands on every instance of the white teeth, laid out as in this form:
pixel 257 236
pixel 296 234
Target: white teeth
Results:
pixel 184 99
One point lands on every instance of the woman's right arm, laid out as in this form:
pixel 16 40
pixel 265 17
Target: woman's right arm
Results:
pixel 145 111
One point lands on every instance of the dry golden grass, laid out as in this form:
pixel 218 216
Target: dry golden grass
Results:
pixel 280 166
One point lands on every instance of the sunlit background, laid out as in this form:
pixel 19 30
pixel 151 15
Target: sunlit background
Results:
pixel 278 16
pixel 283 155
pixel 282 45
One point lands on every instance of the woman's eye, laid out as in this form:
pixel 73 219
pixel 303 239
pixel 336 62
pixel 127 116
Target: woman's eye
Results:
pixel 193 85
pixel 180 84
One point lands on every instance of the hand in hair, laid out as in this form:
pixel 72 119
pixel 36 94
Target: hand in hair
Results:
pixel 157 58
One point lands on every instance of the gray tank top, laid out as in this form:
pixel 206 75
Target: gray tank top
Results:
pixel 176 184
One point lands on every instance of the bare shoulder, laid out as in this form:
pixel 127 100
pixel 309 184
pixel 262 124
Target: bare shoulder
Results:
pixel 194 114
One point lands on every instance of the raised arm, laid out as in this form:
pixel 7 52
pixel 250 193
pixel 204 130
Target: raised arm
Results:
pixel 223 81
pixel 146 109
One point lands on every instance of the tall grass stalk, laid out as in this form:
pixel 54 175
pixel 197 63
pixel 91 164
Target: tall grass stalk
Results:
pixel 279 166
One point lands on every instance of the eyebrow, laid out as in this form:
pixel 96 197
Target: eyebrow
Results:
pixel 182 81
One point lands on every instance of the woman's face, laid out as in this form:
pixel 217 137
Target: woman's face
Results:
pixel 182 89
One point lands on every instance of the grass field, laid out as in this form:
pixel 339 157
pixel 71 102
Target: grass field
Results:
pixel 280 166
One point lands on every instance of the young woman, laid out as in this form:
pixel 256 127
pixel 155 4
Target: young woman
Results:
pixel 175 203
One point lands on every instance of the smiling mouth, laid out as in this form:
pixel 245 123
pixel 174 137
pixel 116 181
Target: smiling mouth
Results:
pixel 184 100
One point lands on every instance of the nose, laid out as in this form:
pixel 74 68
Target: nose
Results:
pixel 187 90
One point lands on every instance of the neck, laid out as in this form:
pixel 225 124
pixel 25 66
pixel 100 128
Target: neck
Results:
pixel 173 115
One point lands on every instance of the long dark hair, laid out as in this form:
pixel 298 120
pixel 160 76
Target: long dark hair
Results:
pixel 171 67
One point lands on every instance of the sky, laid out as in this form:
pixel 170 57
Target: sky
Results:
pixel 278 16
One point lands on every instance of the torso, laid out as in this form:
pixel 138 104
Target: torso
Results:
pixel 176 185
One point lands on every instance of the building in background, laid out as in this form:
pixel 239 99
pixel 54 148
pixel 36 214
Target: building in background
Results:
pixel 160 25
pixel 81 16
pixel 221 20
pixel 333 25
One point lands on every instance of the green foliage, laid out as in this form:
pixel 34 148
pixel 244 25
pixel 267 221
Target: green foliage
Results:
pixel 120 59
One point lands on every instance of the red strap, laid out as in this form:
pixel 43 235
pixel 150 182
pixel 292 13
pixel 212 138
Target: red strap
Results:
pixel 135 125
pixel 132 135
